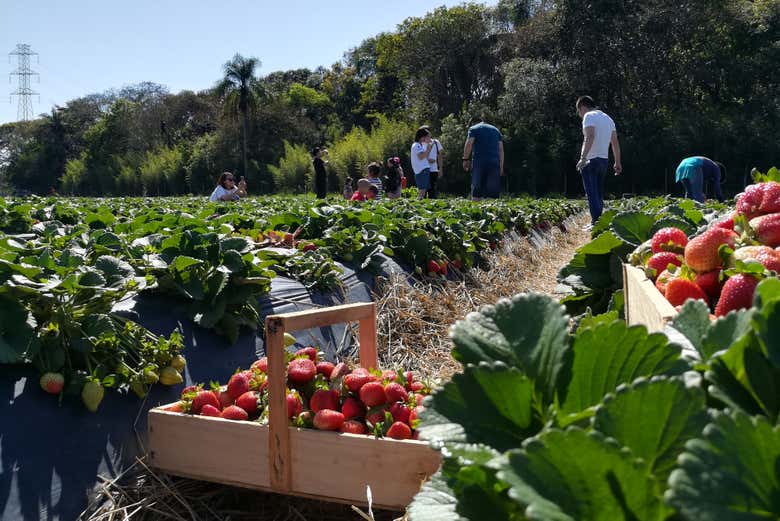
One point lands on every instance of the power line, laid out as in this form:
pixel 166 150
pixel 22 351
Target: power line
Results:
pixel 23 52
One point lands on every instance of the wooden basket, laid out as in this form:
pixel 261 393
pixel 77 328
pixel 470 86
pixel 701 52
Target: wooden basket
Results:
pixel 279 458
pixel 644 304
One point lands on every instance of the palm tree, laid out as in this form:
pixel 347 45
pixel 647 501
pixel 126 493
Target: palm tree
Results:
pixel 240 93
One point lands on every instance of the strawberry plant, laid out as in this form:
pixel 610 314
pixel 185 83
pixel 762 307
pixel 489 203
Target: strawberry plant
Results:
pixel 605 421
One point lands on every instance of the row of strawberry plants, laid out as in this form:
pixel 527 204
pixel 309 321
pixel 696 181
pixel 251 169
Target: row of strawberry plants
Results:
pixel 606 421
pixel 65 264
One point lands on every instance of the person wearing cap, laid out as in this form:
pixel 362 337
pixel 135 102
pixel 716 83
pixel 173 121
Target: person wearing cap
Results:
pixel 692 172
pixel 393 178
pixel 319 159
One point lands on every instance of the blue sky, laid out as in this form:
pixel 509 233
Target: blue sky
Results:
pixel 89 46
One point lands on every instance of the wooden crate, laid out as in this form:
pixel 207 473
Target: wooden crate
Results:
pixel 644 304
pixel 279 458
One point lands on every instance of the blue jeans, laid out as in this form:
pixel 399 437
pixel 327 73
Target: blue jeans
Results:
pixel 694 186
pixel 485 179
pixel 593 181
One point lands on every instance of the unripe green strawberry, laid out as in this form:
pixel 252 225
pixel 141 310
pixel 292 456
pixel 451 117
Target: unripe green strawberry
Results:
pixel 178 362
pixel 170 376
pixel 52 383
pixel 92 395
pixel 150 376
pixel 138 388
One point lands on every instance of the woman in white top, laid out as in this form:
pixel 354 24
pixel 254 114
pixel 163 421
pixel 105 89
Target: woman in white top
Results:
pixel 421 149
pixel 227 190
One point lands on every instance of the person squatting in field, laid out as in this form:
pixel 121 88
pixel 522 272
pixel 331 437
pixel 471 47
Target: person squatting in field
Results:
pixel 599 133
pixel 227 189
pixel 363 192
pixel 394 178
pixel 692 172
pixel 421 149
pixel 483 155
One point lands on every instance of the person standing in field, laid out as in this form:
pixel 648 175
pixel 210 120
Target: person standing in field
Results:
pixel 693 171
pixel 599 133
pixel 394 176
pixel 421 149
pixel 319 159
pixel 483 154
pixel 435 164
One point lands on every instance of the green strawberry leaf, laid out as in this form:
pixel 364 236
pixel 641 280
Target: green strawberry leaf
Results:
pixel 633 227
pixel 654 418
pixel 613 354
pixel 572 475
pixel 528 332
pixel 488 403
pixel 731 473
pixel 16 330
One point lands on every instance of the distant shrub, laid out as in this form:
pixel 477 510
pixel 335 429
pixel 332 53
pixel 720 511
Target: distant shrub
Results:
pixel 295 172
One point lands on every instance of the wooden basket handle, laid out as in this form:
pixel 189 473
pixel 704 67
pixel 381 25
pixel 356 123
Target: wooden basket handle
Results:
pixel 275 327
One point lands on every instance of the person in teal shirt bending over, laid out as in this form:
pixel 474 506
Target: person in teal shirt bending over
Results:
pixel 693 171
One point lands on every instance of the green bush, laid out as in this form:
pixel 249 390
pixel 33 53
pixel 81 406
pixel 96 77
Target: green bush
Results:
pixel 295 172
pixel 162 172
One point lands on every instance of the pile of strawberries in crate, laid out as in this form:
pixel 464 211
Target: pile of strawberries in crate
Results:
pixel 724 264
pixel 320 395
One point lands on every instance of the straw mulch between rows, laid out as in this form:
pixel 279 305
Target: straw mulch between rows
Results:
pixel 413 324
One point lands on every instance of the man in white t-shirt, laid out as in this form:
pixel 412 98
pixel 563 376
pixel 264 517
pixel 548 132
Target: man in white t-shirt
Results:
pixel 599 133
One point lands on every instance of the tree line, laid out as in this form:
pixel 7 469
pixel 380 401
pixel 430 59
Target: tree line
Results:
pixel 680 78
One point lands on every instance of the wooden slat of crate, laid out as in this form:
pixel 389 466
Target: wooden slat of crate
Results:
pixel 340 466
pixel 213 449
pixel 644 304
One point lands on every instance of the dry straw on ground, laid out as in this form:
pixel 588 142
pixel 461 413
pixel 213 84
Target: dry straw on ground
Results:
pixel 413 325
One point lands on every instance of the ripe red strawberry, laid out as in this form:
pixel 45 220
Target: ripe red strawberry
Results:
pixel 261 365
pixel 189 389
pixel 709 283
pixel 353 427
pixel 759 199
pixel 457 264
pixel 668 239
pixel 701 253
pixel 210 410
pixel 418 398
pixel 389 375
pixel 52 383
pixel 352 408
pixel 340 370
pixel 737 293
pixel 377 416
pixel 395 393
pixel 248 402
pixel 767 229
pixel 310 351
pixel 400 412
pixel 433 267
pixel 767 256
pixel 328 420
pixel 727 223
pixel 202 398
pixel 325 369
pixel 301 370
pixel 663 279
pixel 354 381
pixel 324 399
pixel 234 412
pixel 414 416
pixel 659 261
pixel 679 290
pixel 294 404
pixel 443 267
pixel 399 431
pixel 372 394
pixel 237 385
pixel 310 246
pixel 176 407
pixel 416 386
pixel 224 399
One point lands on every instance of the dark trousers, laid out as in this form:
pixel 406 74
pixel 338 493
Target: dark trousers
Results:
pixel 593 181
pixel 432 191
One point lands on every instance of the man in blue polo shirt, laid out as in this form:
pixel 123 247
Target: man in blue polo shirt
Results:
pixel 487 162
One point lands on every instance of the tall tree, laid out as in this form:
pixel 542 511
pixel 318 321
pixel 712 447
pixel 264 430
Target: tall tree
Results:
pixel 240 92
